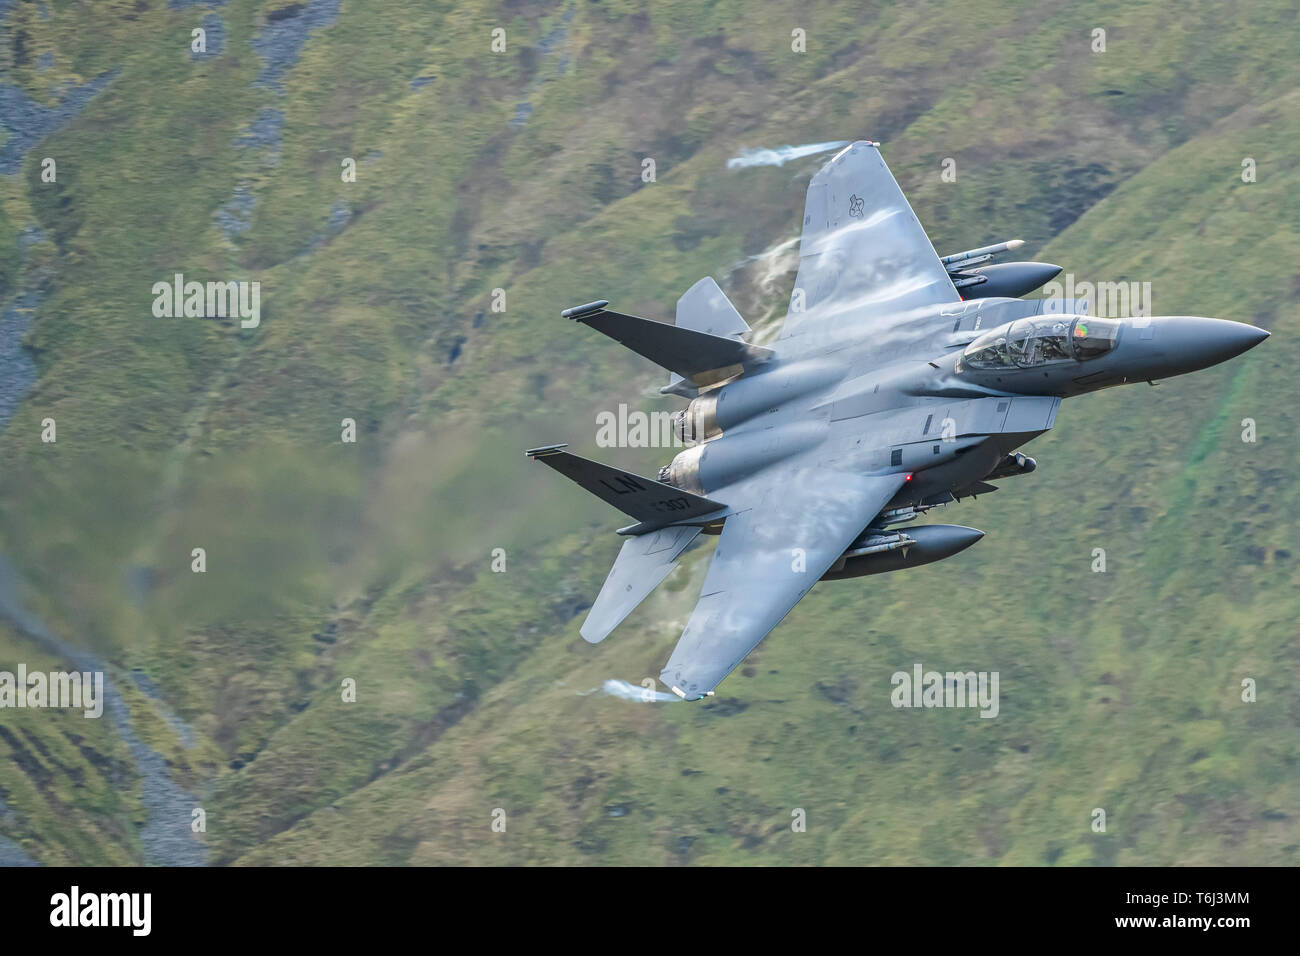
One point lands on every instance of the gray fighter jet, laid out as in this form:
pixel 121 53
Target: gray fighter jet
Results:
pixel 900 381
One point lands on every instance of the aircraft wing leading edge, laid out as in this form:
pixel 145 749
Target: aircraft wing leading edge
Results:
pixel 864 255
pixel 768 557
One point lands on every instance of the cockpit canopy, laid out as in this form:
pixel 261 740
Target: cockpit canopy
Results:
pixel 1045 340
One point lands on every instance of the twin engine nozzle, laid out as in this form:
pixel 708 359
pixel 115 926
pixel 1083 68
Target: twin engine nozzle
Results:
pixel 710 414
pixel 698 421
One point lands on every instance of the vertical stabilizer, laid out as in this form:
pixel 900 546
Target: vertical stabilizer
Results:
pixel 705 308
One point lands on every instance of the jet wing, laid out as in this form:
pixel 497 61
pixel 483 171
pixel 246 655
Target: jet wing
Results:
pixel 642 563
pixel 863 255
pixel 795 527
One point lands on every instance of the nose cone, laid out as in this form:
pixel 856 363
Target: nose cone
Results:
pixel 1185 343
pixel 1245 337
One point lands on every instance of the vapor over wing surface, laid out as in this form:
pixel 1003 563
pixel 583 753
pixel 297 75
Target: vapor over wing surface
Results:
pixel 863 256
pixel 767 558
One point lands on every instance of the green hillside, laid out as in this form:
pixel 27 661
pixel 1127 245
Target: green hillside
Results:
pixel 522 171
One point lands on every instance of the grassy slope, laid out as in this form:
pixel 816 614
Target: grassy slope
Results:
pixel 329 561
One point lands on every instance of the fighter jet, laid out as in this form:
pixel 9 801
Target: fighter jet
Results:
pixel 900 381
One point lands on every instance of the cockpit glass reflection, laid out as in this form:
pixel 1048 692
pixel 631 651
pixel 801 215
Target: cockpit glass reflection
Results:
pixel 1093 337
pixel 1034 342
pixel 989 350
pixel 1040 341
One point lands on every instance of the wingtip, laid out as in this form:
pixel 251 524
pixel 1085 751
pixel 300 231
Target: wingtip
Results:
pixel 544 450
pixel 578 311
pixel 682 694
pixel 667 681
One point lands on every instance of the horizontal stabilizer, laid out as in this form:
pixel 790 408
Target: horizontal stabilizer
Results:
pixel 643 562
pixel 700 357
pixel 651 502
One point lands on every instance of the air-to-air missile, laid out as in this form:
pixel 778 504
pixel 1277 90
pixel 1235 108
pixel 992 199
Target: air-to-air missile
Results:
pixel 974 280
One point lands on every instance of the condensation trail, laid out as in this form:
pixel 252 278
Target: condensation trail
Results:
pixel 625 691
pixel 779 156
